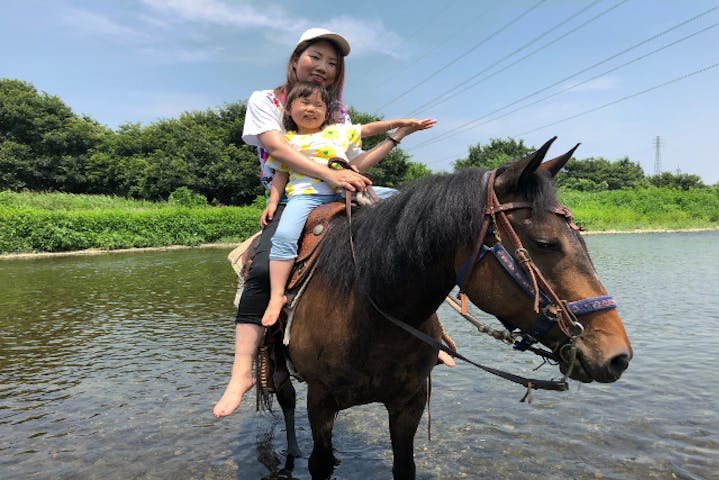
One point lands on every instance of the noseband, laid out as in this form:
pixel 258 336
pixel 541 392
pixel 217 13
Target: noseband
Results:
pixel 552 310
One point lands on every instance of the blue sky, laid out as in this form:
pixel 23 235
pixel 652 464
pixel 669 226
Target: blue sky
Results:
pixel 611 74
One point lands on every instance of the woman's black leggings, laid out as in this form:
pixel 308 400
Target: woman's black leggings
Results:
pixel 256 292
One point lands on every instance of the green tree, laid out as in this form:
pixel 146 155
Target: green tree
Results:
pixel 496 153
pixel 680 181
pixel 594 173
pixel 417 171
pixel 57 140
pixel 14 161
pixel 26 116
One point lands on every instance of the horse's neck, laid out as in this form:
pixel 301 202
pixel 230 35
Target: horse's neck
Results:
pixel 416 298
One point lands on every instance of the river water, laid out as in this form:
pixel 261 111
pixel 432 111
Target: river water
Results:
pixel 110 366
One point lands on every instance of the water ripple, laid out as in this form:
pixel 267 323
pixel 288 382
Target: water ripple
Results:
pixel 110 365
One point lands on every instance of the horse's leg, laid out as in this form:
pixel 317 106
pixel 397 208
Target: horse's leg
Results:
pixel 403 422
pixel 286 397
pixel 321 412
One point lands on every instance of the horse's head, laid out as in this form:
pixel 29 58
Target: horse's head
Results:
pixel 534 273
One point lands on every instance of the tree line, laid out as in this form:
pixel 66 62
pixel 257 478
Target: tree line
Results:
pixel 589 174
pixel 44 146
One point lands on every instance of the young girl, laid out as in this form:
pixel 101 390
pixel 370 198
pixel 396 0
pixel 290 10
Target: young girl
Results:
pixel 309 130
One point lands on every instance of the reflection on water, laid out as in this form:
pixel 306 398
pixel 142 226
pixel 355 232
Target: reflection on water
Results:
pixel 110 366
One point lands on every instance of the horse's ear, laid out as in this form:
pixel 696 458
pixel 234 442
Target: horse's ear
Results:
pixel 517 172
pixel 554 165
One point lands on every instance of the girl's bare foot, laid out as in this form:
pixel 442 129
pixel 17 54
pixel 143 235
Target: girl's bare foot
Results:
pixel 232 397
pixel 274 308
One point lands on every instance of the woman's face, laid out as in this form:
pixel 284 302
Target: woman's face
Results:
pixel 318 63
pixel 309 113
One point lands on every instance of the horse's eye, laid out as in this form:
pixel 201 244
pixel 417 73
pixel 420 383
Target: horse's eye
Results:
pixel 546 244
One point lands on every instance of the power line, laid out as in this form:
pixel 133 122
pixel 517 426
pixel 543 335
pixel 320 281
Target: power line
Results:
pixel 423 29
pixel 451 92
pixel 622 99
pixel 476 122
pixel 655 87
pixel 604 73
pixel 456 59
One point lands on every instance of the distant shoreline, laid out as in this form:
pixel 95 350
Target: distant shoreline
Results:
pixel 652 230
pixel 101 251
pixel 230 246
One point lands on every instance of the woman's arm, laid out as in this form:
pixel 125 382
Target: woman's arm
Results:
pixel 370 158
pixel 276 145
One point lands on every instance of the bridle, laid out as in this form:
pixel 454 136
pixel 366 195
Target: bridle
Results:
pixel 552 310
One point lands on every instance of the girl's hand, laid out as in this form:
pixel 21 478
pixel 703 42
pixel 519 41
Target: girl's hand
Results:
pixel 347 179
pixel 267 214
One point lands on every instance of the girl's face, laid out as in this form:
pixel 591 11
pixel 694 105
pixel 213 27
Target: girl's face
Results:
pixel 318 64
pixel 309 113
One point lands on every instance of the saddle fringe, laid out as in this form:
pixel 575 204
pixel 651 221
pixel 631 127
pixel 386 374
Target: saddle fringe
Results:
pixel 265 389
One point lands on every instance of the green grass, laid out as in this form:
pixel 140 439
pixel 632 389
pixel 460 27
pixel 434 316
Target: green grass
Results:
pixel 47 222
pixel 56 222
pixel 645 209
pixel 72 202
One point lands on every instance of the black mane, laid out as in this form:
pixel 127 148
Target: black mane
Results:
pixel 417 230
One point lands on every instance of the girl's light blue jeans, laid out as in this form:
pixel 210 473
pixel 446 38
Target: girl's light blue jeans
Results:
pixel 284 241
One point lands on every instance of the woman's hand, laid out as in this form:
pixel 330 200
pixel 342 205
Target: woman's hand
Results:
pixel 408 126
pixel 267 214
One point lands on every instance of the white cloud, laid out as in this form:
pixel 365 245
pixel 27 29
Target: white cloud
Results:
pixel 218 12
pixel 182 55
pixel 276 25
pixel 100 25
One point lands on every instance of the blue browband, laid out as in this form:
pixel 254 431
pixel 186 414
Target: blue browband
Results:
pixel 520 277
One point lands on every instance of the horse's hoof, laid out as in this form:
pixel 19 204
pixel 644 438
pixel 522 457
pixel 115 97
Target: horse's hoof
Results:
pixel 294 452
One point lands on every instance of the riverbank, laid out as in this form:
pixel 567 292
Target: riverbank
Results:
pixel 103 251
pixel 229 246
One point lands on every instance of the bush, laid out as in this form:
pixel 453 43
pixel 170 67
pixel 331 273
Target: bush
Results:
pixel 646 208
pixel 184 197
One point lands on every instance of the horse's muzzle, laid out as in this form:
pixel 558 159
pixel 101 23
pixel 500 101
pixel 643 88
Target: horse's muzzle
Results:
pixel 585 368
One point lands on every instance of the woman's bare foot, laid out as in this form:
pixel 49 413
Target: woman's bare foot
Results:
pixel 446 358
pixel 274 308
pixel 232 397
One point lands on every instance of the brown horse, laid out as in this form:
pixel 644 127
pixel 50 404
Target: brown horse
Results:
pixel 411 250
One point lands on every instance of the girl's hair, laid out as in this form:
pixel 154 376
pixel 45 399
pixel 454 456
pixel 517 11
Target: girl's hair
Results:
pixel 306 90
pixel 335 107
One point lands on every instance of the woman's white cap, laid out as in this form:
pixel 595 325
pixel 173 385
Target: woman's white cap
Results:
pixel 323 33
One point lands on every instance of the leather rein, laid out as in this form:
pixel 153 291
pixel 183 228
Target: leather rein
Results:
pixel 551 308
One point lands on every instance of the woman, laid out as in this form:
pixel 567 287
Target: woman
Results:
pixel 318 57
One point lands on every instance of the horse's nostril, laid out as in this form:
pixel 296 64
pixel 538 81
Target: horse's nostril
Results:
pixel 619 363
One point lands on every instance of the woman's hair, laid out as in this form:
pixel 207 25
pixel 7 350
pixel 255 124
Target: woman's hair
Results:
pixel 306 90
pixel 336 106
